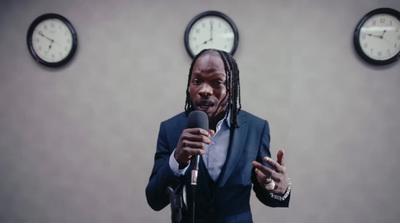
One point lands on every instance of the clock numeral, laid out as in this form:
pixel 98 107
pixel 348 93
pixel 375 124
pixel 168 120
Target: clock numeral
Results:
pixel 374 23
pixel 52 25
pixel 379 54
pixel 194 38
pixel 45 27
pixel 363 36
pixel 203 25
pixel 197 30
pixel 382 20
pixel 211 22
pixel 391 23
pixel 388 52
pixel 365 45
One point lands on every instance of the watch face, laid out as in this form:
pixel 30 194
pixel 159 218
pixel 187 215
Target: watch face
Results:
pixel 377 37
pixel 51 40
pixel 211 29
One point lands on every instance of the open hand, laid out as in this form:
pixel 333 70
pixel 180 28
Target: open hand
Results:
pixel 272 179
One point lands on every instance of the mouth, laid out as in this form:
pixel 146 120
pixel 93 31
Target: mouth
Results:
pixel 205 104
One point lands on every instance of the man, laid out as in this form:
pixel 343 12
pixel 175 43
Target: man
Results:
pixel 234 152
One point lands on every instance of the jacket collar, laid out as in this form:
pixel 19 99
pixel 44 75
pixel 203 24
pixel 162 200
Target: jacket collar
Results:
pixel 236 146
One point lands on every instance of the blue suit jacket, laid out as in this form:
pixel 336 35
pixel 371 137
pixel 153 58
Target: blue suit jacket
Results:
pixel 227 199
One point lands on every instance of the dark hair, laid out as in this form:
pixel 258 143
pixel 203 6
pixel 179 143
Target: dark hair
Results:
pixel 232 84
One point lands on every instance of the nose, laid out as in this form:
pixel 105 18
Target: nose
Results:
pixel 205 90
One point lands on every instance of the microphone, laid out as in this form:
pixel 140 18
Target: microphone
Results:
pixel 196 119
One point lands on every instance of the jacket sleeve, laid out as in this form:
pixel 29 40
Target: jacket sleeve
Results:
pixel 161 176
pixel 261 193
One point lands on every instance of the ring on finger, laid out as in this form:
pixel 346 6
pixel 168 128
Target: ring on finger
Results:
pixel 270 185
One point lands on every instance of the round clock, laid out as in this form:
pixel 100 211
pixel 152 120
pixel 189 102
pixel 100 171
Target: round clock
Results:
pixel 52 40
pixel 211 29
pixel 377 36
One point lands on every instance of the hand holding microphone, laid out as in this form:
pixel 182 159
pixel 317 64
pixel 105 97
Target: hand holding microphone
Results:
pixel 191 142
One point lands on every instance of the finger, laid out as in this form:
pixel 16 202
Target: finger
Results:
pixel 274 164
pixel 267 172
pixel 196 135
pixel 187 144
pixel 261 178
pixel 194 152
pixel 186 150
pixel 198 131
pixel 280 157
pixel 267 182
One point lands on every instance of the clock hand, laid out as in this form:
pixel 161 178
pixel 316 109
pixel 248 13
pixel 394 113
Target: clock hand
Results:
pixel 211 34
pixel 51 40
pixel 384 31
pixel 205 42
pixel 40 33
pixel 369 34
pixel 51 43
pixel 211 31
pixel 378 36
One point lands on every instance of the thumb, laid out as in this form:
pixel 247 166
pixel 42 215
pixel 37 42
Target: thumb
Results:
pixel 280 157
pixel 211 132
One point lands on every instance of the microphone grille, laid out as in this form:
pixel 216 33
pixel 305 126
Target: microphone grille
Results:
pixel 198 119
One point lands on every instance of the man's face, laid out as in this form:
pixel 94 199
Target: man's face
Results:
pixel 208 85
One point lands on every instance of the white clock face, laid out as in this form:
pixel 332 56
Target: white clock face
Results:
pixel 211 32
pixel 52 40
pixel 380 37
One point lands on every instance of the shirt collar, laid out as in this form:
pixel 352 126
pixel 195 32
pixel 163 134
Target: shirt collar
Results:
pixel 226 119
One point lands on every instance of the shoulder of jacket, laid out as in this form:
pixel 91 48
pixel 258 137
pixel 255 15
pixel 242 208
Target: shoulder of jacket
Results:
pixel 250 116
pixel 181 117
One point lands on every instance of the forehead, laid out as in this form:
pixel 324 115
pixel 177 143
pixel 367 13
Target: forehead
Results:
pixel 209 63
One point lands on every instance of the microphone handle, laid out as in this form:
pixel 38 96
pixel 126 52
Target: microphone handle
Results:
pixel 195 169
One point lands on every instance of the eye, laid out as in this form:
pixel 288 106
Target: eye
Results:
pixel 218 83
pixel 196 81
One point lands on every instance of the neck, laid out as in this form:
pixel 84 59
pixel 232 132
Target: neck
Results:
pixel 215 119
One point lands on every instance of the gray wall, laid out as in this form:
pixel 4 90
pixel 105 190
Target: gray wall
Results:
pixel 77 143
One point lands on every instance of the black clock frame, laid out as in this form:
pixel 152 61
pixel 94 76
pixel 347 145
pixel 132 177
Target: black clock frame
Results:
pixel 356 36
pixel 211 13
pixel 30 33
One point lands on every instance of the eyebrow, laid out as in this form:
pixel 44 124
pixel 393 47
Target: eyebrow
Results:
pixel 212 74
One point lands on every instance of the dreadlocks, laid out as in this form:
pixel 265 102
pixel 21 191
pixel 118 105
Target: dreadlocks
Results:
pixel 232 84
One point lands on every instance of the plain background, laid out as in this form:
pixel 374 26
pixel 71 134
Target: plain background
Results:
pixel 77 143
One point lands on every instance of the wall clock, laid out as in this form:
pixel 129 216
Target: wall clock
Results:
pixel 52 40
pixel 377 36
pixel 211 29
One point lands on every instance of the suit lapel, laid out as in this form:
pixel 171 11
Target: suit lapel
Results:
pixel 236 147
